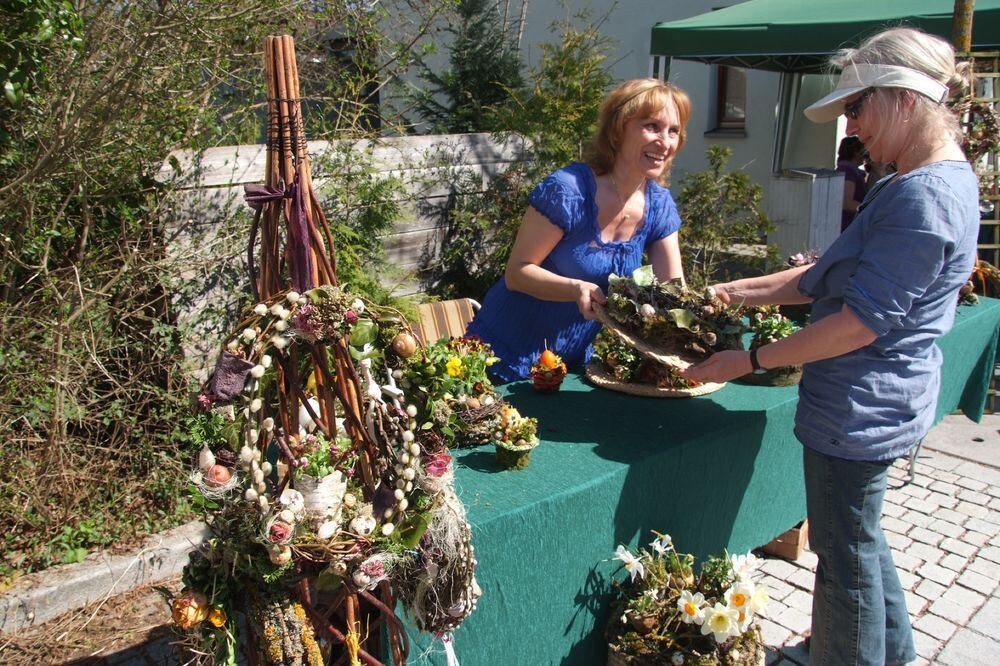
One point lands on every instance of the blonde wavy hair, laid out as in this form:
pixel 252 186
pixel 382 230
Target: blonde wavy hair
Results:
pixel 642 97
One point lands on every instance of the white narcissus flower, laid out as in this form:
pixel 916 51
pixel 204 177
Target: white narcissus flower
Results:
pixel 722 622
pixel 738 598
pixel 661 544
pixel 632 563
pixel 260 309
pixel 744 566
pixel 759 600
pixel 691 607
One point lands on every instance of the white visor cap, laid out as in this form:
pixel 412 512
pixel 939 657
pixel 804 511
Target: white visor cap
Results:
pixel 856 78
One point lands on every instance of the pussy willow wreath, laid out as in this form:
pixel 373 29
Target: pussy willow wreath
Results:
pixel 315 519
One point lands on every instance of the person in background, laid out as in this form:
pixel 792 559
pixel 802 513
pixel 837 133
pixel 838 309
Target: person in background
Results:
pixel 881 294
pixel 876 171
pixel 850 156
pixel 585 222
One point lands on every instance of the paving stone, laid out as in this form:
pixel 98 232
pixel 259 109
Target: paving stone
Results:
pixel 947 529
pixel 921 506
pixel 951 516
pixel 897 541
pixel 937 574
pixel 905 561
pixel 991 553
pixel 968 648
pixel 777 589
pixel 954 562
pixel 942 461
pixel 936 626
pixel 989 569
pixel 971 484
pixel 929 554
pixel 974 510
pixel 987 619
pixel 928 589
pixel 803 579
pixel 947 477
pixel 794 619
pixel 977 539
pixel 897 525
pixel 979 472
pixel 952 545
pixel 942 500
pixel 914 491
pixel 927 646
pixel 973 496
pixel 919 519
pixel 807 560
pixel 894 510
pixel 774 634
pixel 907 580
pixel 778 568
pixel 949 610
pixel 980 525
pixel 965 597
pixel 915 604
pixel 994 503
pixel 977 582
pixel 924 535
pixel 943 487
pixel 800 600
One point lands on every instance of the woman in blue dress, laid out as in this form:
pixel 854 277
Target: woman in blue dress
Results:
pixel 585 222
pixel 881 294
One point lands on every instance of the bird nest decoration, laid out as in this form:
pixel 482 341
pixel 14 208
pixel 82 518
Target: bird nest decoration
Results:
pixel 657 328
pixel 327 498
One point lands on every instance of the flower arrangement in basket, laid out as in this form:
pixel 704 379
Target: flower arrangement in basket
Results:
pixel 548 372
pixel 668 324
pixel 453 394
pixel 319 514
pixel 665 614
pixel 768 325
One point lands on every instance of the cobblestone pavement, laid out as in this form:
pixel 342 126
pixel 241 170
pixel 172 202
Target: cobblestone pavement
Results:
pixel 944 530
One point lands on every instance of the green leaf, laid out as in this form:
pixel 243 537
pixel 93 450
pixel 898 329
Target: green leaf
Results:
pixel 363 332
pixel 643 276
pixel 682 318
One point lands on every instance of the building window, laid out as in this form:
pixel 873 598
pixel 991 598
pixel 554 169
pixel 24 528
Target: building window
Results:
pixel 731 98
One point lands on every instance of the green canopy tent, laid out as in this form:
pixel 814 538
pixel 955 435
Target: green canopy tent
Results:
pixel 800 35
pixel 797 37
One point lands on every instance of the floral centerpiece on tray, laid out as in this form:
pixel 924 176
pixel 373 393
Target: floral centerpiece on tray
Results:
pixel 665 614
pixel 453 394
pixel 295 510
pixel 768 325
pixel 669 326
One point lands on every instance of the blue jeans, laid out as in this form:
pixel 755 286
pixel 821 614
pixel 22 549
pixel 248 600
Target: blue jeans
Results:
pixel 859 613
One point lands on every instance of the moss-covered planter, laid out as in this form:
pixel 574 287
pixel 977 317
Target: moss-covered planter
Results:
pixel 745 650
pixel 514 456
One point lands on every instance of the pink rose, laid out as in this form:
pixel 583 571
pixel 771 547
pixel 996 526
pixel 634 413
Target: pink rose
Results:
pixel 205 400
pixel 437 464
pixel 280 532
pixel 350 316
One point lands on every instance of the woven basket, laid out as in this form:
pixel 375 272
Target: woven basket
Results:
pixel 656 353
pixel 598 376
pixel 515 457
pixel 548 381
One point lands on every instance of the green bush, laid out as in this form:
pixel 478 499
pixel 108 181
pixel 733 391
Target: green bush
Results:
pixel 92 395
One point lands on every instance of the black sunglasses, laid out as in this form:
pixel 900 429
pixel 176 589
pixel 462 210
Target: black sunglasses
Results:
pixel 853 109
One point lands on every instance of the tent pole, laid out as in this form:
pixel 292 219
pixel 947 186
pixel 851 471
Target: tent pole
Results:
pixel 789 87
pixel 659 67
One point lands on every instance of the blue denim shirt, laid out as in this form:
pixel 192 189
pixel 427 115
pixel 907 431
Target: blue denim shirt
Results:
pixel 898 267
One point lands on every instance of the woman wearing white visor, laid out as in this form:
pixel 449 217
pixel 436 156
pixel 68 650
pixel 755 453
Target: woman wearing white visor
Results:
pixel 880 296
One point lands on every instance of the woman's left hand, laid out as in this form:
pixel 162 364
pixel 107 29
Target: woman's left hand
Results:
pixel 720 367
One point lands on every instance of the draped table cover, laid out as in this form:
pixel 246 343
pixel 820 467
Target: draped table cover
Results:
pixel 720 471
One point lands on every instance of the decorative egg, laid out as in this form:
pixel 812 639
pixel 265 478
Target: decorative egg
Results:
pixel 217 476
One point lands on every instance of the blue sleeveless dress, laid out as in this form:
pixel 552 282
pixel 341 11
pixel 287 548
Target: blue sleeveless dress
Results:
pixel 518 326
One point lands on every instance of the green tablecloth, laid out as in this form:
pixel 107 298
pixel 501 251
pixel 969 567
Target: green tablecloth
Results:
pixel 718 471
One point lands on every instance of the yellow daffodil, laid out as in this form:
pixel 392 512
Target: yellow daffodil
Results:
pixel 454 366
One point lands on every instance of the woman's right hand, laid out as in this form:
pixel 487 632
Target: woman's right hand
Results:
pixel 588 294
pixel 721 293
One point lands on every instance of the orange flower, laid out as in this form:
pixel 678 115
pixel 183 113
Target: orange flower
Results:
pixel 217 617
pixel 189 609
